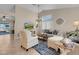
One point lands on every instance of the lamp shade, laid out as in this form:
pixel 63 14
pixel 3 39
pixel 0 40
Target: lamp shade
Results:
pixel 76 23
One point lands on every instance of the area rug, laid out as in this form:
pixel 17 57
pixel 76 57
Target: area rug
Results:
pixel 4 33
pixel 43 49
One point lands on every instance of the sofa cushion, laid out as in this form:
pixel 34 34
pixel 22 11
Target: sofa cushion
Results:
pixel 68 43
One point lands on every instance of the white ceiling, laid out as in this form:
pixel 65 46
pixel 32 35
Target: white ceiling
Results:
pixel 42 7
pixel 6 7
pixel 34 7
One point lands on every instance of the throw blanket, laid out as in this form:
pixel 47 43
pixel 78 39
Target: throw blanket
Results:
pixel 68 43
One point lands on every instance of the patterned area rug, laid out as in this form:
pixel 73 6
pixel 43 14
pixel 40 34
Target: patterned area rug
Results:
pixel 44 50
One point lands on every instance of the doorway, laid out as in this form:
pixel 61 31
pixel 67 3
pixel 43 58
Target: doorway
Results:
pixel 6 33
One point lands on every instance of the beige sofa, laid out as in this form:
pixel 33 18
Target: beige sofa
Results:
pixel 74 51
pixel 55 42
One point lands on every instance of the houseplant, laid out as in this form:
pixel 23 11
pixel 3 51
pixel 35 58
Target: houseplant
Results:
pixel 28 26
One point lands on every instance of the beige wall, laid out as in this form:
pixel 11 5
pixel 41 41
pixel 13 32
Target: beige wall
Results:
pixel 6 13
pixel 21 15
pixel 68 14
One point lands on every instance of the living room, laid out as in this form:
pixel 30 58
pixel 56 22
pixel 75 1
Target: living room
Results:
pixel 43 29
pixel 39 29
pixel 61 19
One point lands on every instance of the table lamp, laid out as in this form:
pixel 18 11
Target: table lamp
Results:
pixel 76 24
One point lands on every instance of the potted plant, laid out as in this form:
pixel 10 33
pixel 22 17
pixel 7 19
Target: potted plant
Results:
pixel 28 26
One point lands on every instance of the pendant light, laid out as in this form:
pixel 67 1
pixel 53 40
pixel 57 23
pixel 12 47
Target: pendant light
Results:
pixel 39 19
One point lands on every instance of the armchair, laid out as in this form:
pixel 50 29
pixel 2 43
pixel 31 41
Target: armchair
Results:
pixel 27 40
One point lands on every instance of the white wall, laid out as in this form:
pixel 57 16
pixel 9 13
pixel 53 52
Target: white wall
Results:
pixel 68 14
pixel 22 15
pixel 6 13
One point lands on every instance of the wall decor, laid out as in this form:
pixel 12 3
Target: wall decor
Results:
pixel 60 21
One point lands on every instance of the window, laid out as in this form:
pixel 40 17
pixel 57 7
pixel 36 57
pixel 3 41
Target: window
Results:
pixel 46 22
pixel 4 26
